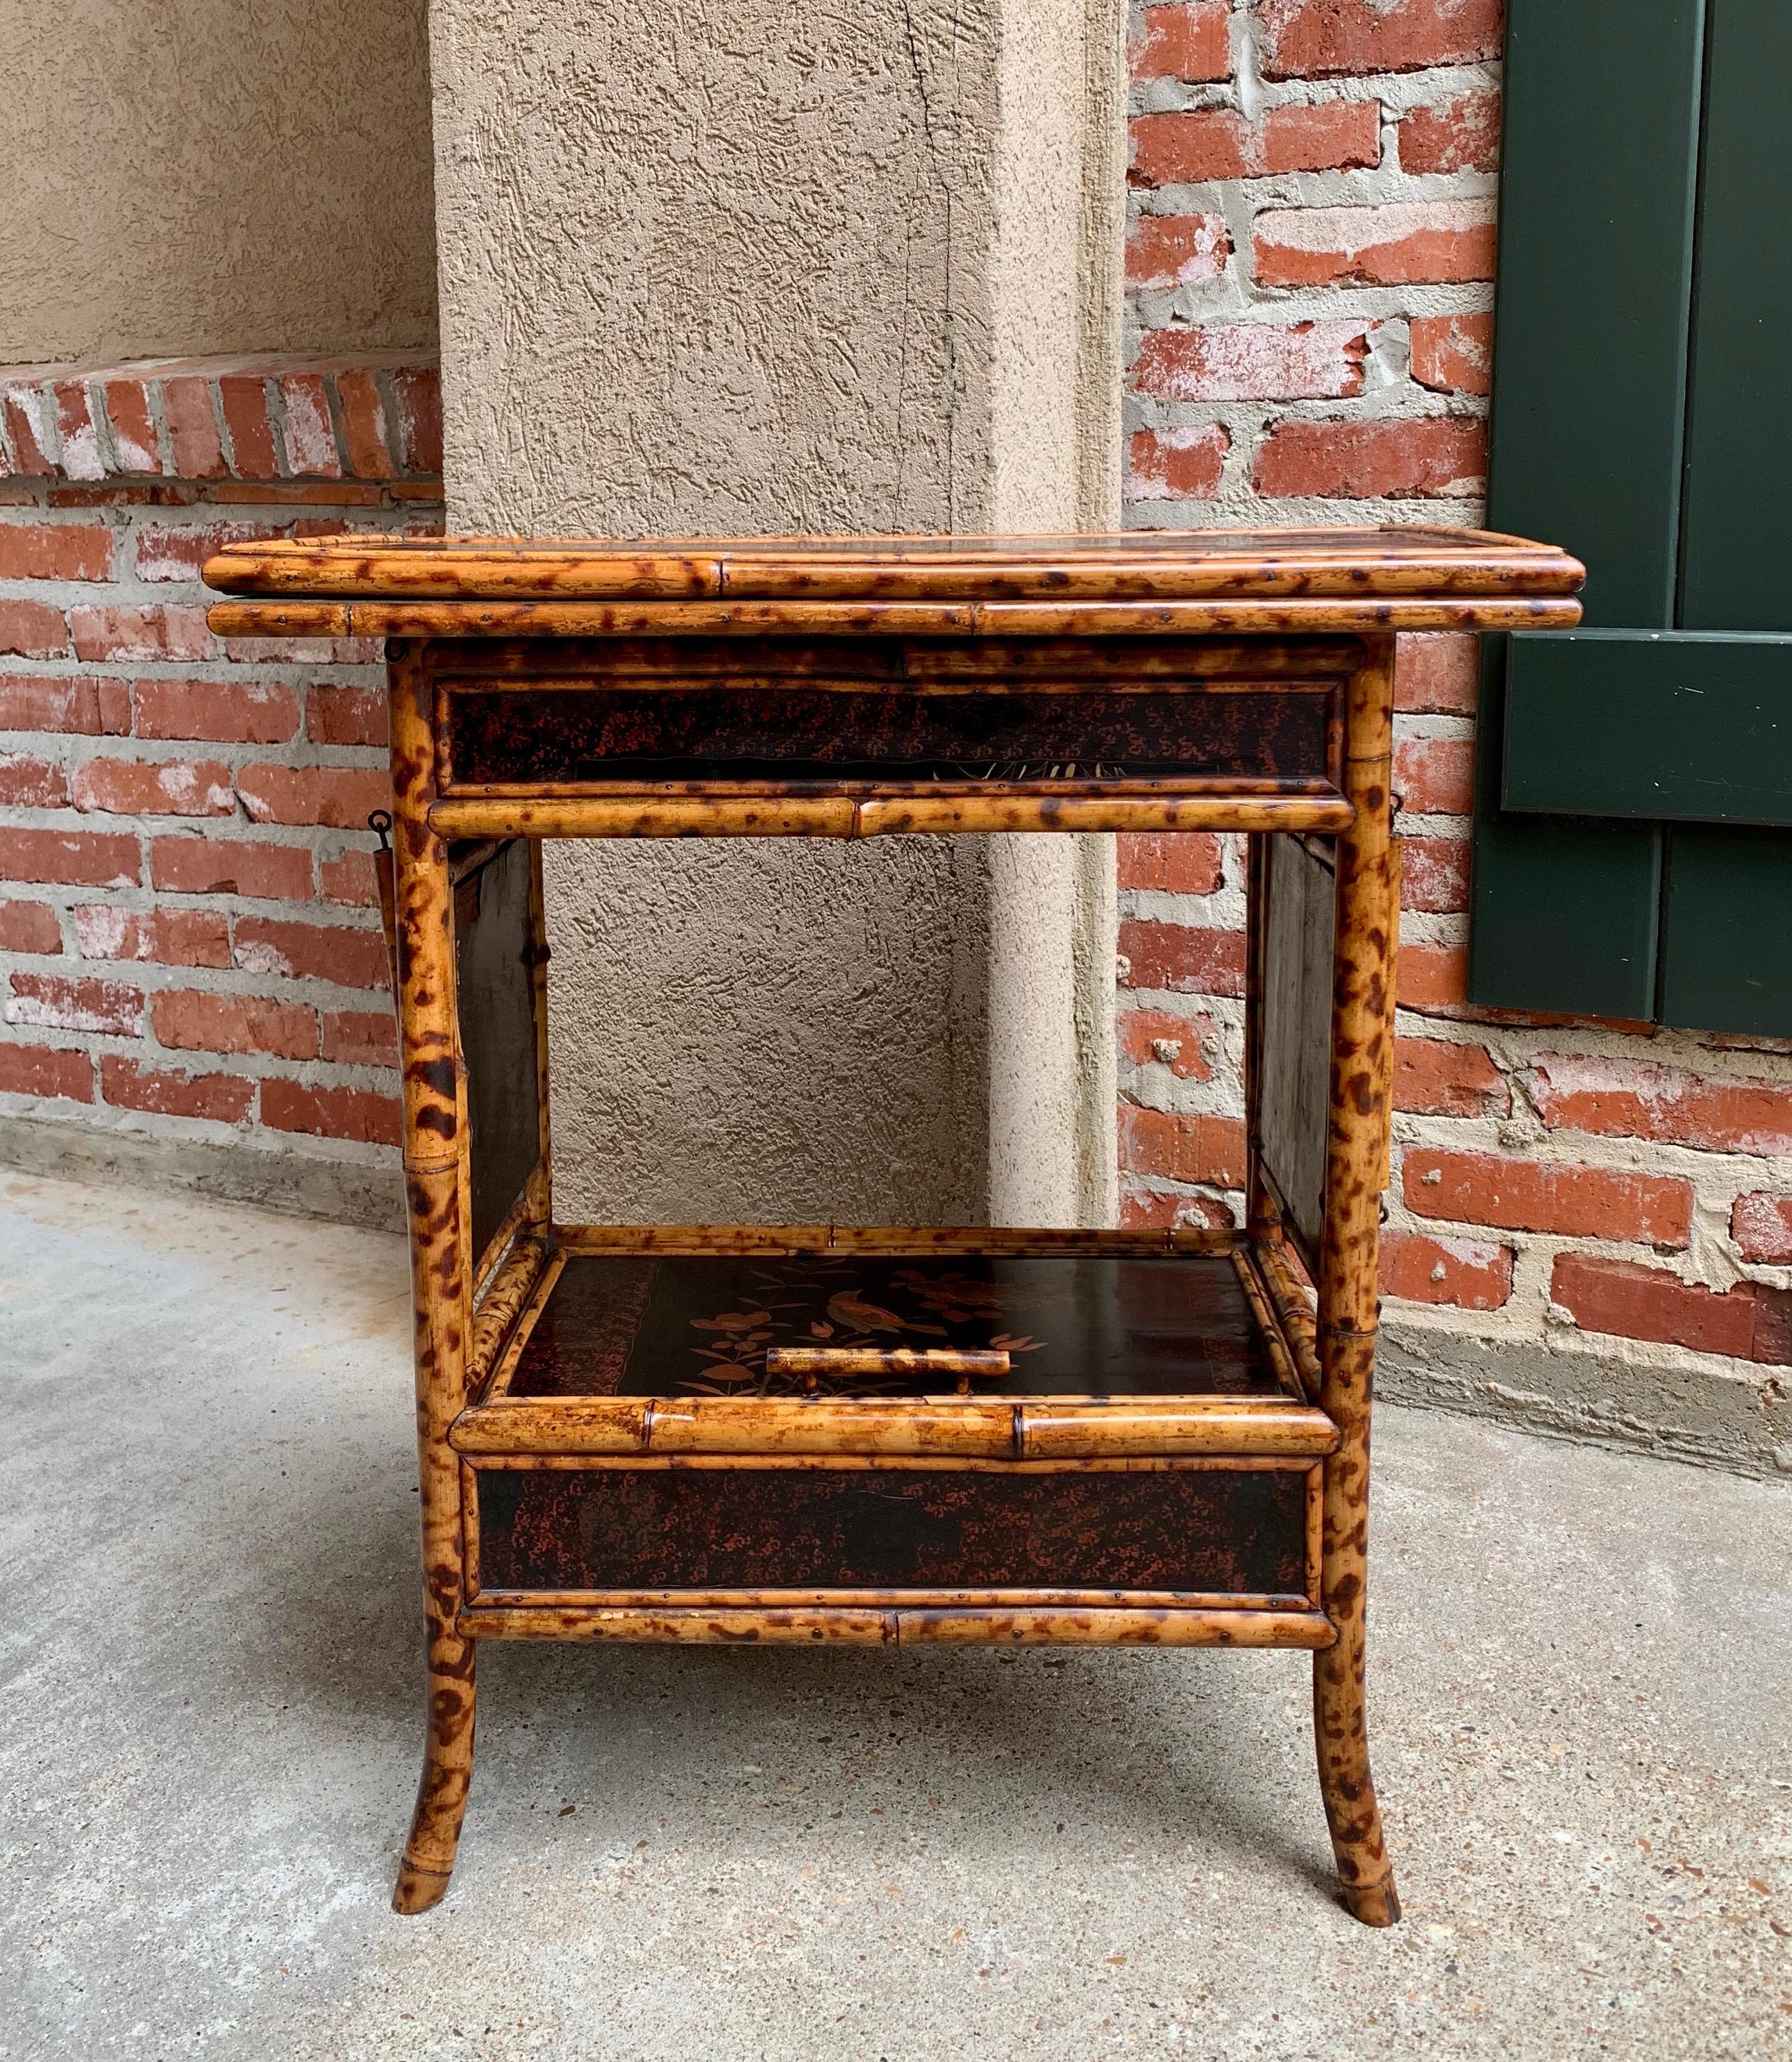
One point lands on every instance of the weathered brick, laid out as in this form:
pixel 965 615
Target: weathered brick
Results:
pixel 231 866
pixel 174 937
pixel 1614 1098
pixel 1149 1036
pixel 339 797
pixel 1433 456
pixel 302 651
pixel 361 1038
pixel 28 437
pixel 29 927
pixel 1312 38
pixel 55 551
pixel 220 711
pixel 33 630
pixel 1533 1195
pixel 327 1112
pixel 304 493
pixel 1179 1146
pixel 1406 242
pixel 154 787
pixel 178 550
pixel 188 410
pixel 1431 976
pixel 1437 1078
pixel 135 447
pixel 243 398
pixel 1437 673
pixel 1459 134
pixel 1183 148
pixel 1631 1301
pixel 150 630
pixel 418 391
pixel 1177 862
pixel 1176 465
pixel 311 436
pixel 127 1084
pixel 347 878
pixel 75 1002
pixel 1454 354
pixel 80 859
pixel 1761 1224
pixel 337 714
pixel 1435 776
pixel 1434 874
pixel 46 1070
pixel 72 704
pixel 1182 958
pixel 27 782
pixel 193 1019
pixel 1189 42
pixel 363 418
pixel 1256 361
pixel 117 494
pixel 317 952
pixel 1163 1210
pixel 1176 250
pixel 78 437
pixel 1471 1273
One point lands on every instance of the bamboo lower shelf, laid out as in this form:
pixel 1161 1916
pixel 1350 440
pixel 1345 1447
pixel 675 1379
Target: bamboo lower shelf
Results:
pixel 733 1434
pixel 1148 1466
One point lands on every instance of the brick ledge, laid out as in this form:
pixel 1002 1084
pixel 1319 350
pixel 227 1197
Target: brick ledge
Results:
pixel 375 418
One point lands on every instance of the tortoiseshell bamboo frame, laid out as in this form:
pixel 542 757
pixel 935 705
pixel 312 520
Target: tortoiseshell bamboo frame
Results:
pixel 473 1310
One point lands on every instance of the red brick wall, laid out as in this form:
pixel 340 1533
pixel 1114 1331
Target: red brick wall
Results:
pixel 189 945
pixel 1310 256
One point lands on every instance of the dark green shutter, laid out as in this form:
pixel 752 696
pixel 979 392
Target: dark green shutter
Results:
pixel 1633 826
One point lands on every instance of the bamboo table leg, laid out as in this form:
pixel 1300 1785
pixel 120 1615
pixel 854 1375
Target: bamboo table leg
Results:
pixel 1356 1173
pixel 435 1183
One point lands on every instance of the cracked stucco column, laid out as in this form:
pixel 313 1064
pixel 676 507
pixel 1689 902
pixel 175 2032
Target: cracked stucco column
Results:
pixel 710 268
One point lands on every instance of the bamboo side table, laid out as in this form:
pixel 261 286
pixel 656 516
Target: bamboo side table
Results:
pixel 726 1433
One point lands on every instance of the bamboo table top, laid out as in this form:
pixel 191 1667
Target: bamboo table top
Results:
pixel 1340 580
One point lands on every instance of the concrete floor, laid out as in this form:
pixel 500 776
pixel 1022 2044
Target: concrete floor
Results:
pixel 1583 1674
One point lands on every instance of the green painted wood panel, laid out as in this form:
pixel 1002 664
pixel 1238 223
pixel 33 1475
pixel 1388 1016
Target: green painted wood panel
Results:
pixel 1658 725
pixel 1597 211
pixel 1563 914
pixel 1726 931
pixel 1596 206
pixel 1734 574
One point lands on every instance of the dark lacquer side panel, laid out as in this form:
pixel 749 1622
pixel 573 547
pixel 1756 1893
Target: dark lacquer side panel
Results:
pixel 781 731
pixel 1295 1074
pixel 1072 1324
pixel 493 971
pixel 1185 1528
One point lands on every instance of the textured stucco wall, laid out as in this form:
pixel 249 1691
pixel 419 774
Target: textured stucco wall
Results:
pixel 783 266
pixel 200 176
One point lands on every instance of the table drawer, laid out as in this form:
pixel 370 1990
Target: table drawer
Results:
pixel 1222 1530
pixel 881 717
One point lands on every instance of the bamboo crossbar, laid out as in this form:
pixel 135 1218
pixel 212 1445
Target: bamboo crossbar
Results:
pixel 1271 1428
pixel 767 814
pixel 786 1597
pixel 854 1626
pixel 900 1241
pixel 1287 614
